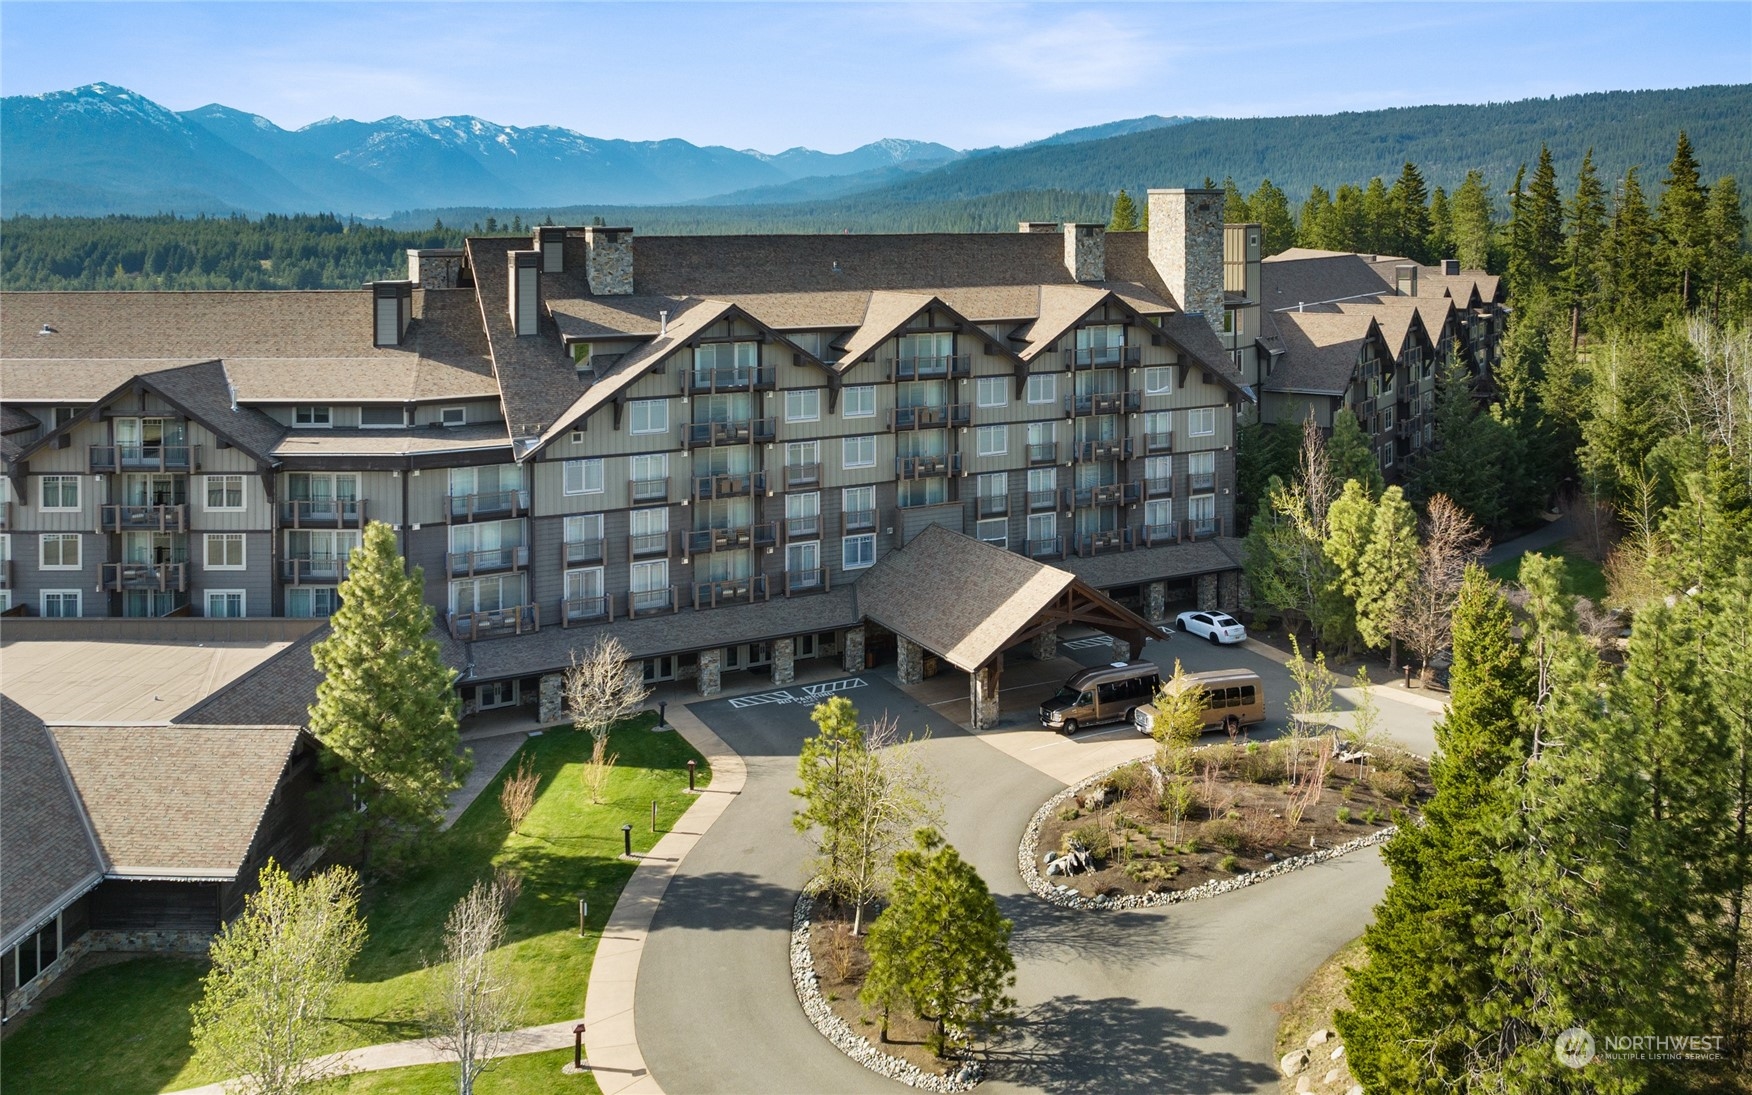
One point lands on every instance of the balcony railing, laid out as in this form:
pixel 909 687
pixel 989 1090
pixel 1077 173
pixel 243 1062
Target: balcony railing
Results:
pixel 1203 528
pixel 1158 442
pixel 1107 540
pixel 5 515
pixel 930 417
pixel 1042 452
pixel 702 541
pixel 650 490
pixel 315 569
pixel 142 457
pixel 579 552
pixel 160 576
pixel 730 591
pixel 583 610
pixel 493 623
pixel 1097 357
pixel 156 518
pixel 993 505
pixel 650 602
pixel 490 505
pixel 1105 494
pixel 1103 403
pixel 802 475
pixel 1118 448
pixel 1053 547
pixel 927 467
pixel 815 580
pixel 5 573
pixel 699 435
pixel 1202 482
pixel 803 528
pixel 928 368
pixel 1040 501
pixel 466 564
pixel 644 545
pixel 744 379
pixel 1157 535
pixel 728 485
pixel 857 520
pixel 323 513
pixel 1158 488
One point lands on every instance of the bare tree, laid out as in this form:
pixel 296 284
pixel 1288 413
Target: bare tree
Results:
pixel 1723 382
pixel 1315 465
pixel 1451 540
pixel 476 1002
pixel 517 794
pixel 598 768
pixel 1310 704
pixel 890 794
pixel 602 688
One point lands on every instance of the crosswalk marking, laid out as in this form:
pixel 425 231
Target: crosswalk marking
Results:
pixel 812 693
pixel 1087 644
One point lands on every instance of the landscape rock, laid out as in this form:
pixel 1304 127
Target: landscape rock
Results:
pixel 1304 1085
pixel 1337 1053
pixel 1356 1089
pixel 1320 1037
pixel 1332 1076
pixel 1294 1062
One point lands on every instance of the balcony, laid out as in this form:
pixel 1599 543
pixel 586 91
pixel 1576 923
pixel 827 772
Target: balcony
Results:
pixel 927 467
pixel 1105 541
pixel 1158 442
pixel 1118 448
pixel 1053 547
pixel 160 576
pixel 586 610
pixel 491 506
pixel 5 515
pixel 703 541
pixel 494 623
pixel 705 435
pixel 109 458
pixel 728 485
pixel 1203 528
pixel 1106 494
pixel 1101 357
pixel 1042 452
pixel 930 417
pixel 993 505
pixel 708 381
pixel 815 580
pixel 323 513
pixel 650 602
pixel 1103 403
pixel 645 545
pixel 1159 535
pixel 730 591
pixel 1201 482
pixel 5 573
pixel 144 518
pixel 1158 488
pixel 1042 501
pixel 583 552
pixel 803 528
pixel 802 475
pixel 857 520
pixel 323 569
pixel 928 368
pixel 649 490
pixel 467 564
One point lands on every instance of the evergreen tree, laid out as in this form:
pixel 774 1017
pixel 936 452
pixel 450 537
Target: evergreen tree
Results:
pixel 1585 221
pixel 1411 216
pixel 1235 209
pixel 1312 226
pixel 1681 225
pixel 1535 231
pixel 1378 234
pixel 941 947
pixel 827 779
pixel 1725 269
pixel 1439 244
pixel 1630 284
pixel 1349 452
pixel 385 712
pixel 1386 572
pixel 1473 222
pixel 1347 229
pixel 1125 214
pixel 1467 461
pixel 1350 523
pixel 1271 208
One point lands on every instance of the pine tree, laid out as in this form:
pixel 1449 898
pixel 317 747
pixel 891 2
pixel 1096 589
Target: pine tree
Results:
pixel 1347 229
pixel 1235 209
pixel 1271 208
pixel 825 773
pixel 1411 216
pixel 1439 244
pixel 1585 221
pixel 1386 572
pixel 385 711
pixel 1350 523
pixel 1629 282
pixel 1725 267
pixel 1535 231
pixel 1473 223
pixel 1349 452
pixel 1125 214
pixel 942 948
pixel 1681 225
pixel 1468 462
pixel 1378 218
pixel 1312 226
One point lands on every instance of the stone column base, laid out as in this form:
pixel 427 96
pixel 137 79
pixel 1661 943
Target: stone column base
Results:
pixel 1207 592
pixel 711 672
pixel 909 661
pixel 852 659
pixel 553 699
pixel 1046 644
pixel 784 661
pixel 1155 601
pixel 983 696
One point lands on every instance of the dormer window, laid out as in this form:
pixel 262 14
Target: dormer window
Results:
pixel 383 418
pixel 311 417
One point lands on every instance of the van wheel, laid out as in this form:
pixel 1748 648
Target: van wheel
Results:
pixel 1070 727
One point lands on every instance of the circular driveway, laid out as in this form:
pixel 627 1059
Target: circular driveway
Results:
pixel 1177 999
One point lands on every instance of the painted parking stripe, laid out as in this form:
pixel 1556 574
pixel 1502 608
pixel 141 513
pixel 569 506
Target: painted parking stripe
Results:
pixel 812 693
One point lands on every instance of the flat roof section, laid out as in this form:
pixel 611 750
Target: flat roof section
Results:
pixel 124 683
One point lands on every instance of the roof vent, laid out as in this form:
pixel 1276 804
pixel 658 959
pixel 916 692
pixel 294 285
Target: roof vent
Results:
pixel 836 267
pixel 662 322
pixel 47 330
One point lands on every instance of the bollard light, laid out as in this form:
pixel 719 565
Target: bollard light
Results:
pixel 577 1047
pixel 627 838
pixel 662 717
pixel 690 775
pixel 653 815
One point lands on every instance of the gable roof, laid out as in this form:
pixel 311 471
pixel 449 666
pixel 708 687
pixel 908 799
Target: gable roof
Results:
pixel 1320 350
pixel 888 313
pixel 278 692
pixel 48 854
pixel 175 802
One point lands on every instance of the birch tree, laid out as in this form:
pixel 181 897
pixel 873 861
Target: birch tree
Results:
pixel 476 1004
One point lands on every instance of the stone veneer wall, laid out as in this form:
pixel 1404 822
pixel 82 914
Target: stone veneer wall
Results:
pixel 784 661
pixel 909 660
pixel 853 661
pixel 1086 251
pixel 553 699
pixel 1046 644
pixel 97 942
pixel 608 261
pixel 1186 248
pixel 711 672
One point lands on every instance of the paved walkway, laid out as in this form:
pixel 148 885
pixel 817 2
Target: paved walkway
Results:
pixel 1555 532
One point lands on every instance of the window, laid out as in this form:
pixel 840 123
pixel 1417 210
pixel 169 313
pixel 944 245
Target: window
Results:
pixel 1201 421
pixel 60 603
pixel 995 531
pixel 582 528
pixel 993 391
pixel 803 405
pixel 224 492
pixel 1159 515
pixel 857 552
pixel 648 588
pixel 858 402
pixel 994 440
pixel 1158 380
pixel 651 477
pixel 649 415
pixel 312 602
pixel 62 415
pixel 1043 388
pixel 225 604
pixel 583 476
pixel 1042 527
pixel 310 416
pixel 224 551
pixel 59 551
pixel 454 416
pixel 858 452
pixel 60 492
pixel 383 418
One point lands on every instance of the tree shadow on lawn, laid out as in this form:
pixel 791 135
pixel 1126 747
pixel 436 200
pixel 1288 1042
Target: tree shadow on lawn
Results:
pixel 1069 1045
pixel 1045 933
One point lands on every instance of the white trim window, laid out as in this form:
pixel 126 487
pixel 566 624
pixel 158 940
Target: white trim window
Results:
pixel 224 551
pixel 226 604
pixel 59 493
pixel 58 551
pixel 376 416
pixel 312 602
pixel 224 492
pixel 453 416
pixel 308 417
pixel 1158 380
pixel 995 530
pixel 994 440
pixel 1201 422
pixel 858 452
pixel 858 401
pixel 648 415
pixel 61 603
pixel 583 476
pixel 1042 388
pixel 858 552
pixel 992 391
pixel 803 405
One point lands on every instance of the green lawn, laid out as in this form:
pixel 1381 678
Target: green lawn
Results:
pixel 1583 576
pixel 530 1074
pixel 568 847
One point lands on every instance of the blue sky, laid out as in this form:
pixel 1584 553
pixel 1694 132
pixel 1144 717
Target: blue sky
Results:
pixel 834 76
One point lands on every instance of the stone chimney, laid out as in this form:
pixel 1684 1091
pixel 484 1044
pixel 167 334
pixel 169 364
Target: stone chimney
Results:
pixel 608 261
pixel 435 267
pixel 1405 280
pixel 1086 251
pixel 524 304
pixel 392 309
pixel 1186 248
pixel 1037 227
pixel 550 240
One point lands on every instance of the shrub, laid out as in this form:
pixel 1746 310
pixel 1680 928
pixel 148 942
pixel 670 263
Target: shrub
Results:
pixel 1261 765
pixel 1392 758
pixel 1343 815
pixel 1189 848
pixel 1225 834
pixel 1229 863
pixel 1390 784
pixel 1372 816
pixel 1131 781
pixel 1150 875
pixel 1069 812
pixel 1097 840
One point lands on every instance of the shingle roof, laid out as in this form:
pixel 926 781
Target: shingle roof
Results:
pixel 74 381
pixel 278 692
pixel 537 377
pixel 1123 568
pixel 175 801
pixel 1287 282
pixel 204 391
pixel 393 442
pixel 1061 306
pixel 48 855
pixel 885 313
pixel 1320 350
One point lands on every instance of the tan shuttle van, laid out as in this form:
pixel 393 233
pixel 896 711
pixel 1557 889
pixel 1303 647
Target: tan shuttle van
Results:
pixel 1107 693
pixel 1233 697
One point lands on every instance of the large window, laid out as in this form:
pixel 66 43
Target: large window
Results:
pixel 60 603
pixel 224 492
pixel 58 551
pixel 311 416
pixel 1158 380
pixel 858 552
pixel 224 551
pixel 648 586
pixel 858 402
pixel 858 452
pixel 1201 421
pixel 993 391
pixel 486 594
pixel 994 531
pixel 60 492
pixel 1043 388
pixel 1201 472
pixel 225 603
pixel 312 602
pixel 649 415
pixel 994 440
pixel 584 476
pixel 383 418
pixel 803 405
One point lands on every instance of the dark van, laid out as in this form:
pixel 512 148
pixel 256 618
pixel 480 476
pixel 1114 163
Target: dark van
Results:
pixel 1107 693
